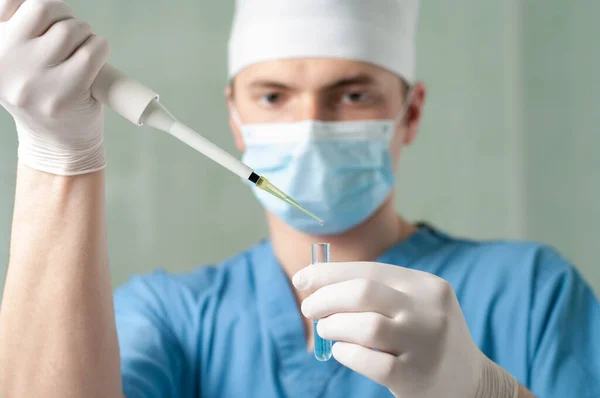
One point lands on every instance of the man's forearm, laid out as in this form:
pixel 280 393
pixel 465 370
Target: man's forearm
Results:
pixel 57 328
pixel 524 393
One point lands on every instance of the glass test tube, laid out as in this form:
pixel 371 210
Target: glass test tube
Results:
pixel 322 350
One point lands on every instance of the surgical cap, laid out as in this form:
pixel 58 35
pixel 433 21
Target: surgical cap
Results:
pixel 380 32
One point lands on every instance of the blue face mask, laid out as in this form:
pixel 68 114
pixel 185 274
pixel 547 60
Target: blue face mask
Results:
pixel 341 171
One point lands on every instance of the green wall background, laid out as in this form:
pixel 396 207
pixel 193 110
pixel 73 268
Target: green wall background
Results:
pixel 506 149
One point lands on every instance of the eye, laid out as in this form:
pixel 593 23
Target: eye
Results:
pixel 354 98
pixel 270 98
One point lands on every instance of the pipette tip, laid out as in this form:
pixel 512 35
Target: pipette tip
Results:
pixel 266 186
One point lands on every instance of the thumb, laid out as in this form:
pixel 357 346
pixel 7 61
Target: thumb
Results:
pixel 8 8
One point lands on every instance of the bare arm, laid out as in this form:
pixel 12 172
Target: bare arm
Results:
pixel 524 393
pixel 57 327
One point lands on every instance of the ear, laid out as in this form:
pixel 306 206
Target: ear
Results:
pixel 237 134
pixel 414 112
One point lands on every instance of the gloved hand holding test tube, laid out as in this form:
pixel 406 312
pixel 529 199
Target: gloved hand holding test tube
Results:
pixel 140 105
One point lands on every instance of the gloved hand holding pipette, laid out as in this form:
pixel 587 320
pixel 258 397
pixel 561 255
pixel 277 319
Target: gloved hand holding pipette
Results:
pixel 56 74
pixel 47 69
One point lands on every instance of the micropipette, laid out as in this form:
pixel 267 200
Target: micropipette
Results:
pixel 140 105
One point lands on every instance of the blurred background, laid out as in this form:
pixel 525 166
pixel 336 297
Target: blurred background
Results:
pixel 507 148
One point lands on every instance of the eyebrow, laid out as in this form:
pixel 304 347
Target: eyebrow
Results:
pixel 363 79
pixel 267 84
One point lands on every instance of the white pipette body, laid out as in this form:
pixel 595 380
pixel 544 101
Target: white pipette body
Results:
pixel 140 105
pixel 159 117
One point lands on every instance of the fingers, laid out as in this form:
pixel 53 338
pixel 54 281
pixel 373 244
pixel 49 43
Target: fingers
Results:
pixel 357 295
pixel 316 276
pixel 8 8
pixel 380 367
pixel 63 39
pixel 35 17
pixel 368 329
pixel 88 59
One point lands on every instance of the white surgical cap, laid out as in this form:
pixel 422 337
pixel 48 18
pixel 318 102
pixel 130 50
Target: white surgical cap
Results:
pixel 380 32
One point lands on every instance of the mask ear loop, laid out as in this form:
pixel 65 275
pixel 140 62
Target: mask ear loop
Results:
pixel 407 102
pixel 236 120
pixel 406 105
pixel 234 116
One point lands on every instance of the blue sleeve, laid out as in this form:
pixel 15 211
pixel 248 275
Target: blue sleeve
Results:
pixel 150 311
pixel 564 332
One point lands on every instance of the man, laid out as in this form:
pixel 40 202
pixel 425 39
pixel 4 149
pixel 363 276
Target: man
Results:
pixel 323 100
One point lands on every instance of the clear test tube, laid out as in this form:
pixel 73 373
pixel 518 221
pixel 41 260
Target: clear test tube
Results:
pixel 322 349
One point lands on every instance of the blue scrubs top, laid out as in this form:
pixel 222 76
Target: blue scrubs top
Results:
pixel 236 331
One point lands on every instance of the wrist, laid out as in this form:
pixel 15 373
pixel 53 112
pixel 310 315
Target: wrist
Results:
pixel 74 150
pixel 61 161
pixel 496 382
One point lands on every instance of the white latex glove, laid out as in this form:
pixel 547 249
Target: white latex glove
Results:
pixel 402 328
pixel 48 62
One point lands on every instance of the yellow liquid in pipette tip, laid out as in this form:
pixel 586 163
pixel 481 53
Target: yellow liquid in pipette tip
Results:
pixel 266 186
